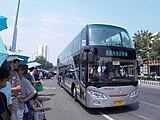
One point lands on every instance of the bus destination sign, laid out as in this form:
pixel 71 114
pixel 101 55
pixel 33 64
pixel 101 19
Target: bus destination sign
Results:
pixel 117 53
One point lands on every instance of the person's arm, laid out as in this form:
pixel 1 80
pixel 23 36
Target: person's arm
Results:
pixel 15 90
pixel 9 97
pixel 35 82
pixel 39 104
pixel 28 97
pixel 38 107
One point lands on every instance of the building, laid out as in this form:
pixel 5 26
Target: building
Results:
pixel 153 66
pixel 40 50
pixel 43 51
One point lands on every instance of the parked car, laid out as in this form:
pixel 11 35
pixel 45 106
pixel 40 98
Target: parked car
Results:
pixel 153 74
pixel 53 73
pixel 46 73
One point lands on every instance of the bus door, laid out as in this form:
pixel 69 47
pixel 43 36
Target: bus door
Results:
pixel 83 77
pixel 86 58
pixel 63 76
pixel 83 83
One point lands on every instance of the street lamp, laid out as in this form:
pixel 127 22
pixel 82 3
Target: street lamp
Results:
pixel 14 41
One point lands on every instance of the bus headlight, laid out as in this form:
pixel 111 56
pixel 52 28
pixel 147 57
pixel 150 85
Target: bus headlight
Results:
pixel 134 93
pixel 97 95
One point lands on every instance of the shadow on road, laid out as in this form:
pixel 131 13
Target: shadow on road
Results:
pixel 42 94
pixel 45 97
pixel 47 109
pixel 120 109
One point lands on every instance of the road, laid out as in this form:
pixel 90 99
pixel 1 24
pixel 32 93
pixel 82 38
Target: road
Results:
pixel 59 105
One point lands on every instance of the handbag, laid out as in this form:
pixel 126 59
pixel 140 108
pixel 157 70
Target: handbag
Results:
pixel 39 87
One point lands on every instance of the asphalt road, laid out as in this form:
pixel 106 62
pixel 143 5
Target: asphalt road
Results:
pixel 59 105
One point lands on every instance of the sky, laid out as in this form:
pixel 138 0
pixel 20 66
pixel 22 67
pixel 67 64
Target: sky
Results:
pixel 57 22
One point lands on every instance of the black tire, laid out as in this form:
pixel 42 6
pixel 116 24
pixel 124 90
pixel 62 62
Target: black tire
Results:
pixel 60 83
pixel 74 94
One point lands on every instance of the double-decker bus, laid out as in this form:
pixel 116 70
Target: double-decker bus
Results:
pixel 99 67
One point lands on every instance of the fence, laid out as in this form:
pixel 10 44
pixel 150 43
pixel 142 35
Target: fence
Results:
pixel 149 82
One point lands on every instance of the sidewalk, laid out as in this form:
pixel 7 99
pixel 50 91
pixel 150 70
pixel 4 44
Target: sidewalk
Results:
pixel 47 97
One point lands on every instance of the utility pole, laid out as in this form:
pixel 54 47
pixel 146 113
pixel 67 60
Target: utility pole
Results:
pixel 14 41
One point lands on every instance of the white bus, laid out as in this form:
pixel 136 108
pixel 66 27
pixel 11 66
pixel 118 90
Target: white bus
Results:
pixel 99 67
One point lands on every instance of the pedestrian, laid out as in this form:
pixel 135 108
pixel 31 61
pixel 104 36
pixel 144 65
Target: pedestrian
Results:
pixel 7 91
pixel 37 107
pixel 28 115
pixel 15 85
pixel 142 75
pixel 33 72
pixel 27 92
pixel 5 73
pixel 40 75
pixel 155 76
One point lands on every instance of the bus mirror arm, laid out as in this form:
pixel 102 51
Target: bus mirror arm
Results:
pixel 87 49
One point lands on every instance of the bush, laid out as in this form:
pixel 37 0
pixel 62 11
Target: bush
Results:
pixel 149 78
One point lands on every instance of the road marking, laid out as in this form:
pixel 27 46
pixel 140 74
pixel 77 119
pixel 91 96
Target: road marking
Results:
pixel 106 116
pixel 109 118
pixel 49 88
pixel 150 104
pixel 143 117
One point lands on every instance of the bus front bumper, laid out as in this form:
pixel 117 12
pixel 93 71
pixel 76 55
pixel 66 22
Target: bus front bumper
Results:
pixel 110 102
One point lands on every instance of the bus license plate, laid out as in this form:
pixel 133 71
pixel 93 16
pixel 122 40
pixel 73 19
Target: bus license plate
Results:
pixel 116 103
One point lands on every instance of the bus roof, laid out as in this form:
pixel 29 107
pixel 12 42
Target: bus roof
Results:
pixel 105 24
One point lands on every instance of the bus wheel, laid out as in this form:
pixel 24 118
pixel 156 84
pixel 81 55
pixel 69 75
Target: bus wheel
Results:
pixel 74 94
pixel 60 82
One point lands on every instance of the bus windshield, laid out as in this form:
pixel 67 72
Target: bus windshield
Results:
pixel 109 36
pixel 117 71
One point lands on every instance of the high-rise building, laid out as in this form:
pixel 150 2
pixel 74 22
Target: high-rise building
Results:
pixel 40 50
pixel 43 51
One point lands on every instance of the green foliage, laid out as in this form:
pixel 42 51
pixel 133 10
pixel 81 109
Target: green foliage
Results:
pixel 142 40
pixel 147 44
pixel 45 64
pixel 148 78
pixel 156 47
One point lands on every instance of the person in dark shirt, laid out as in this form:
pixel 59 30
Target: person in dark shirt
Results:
pixel 27 74
pixel 4 111
pixel 5 74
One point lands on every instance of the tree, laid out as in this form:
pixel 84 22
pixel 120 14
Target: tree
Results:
pixel 155 54
pixel 45 64
pixel 143 43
